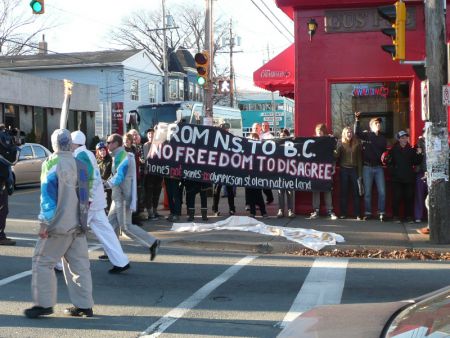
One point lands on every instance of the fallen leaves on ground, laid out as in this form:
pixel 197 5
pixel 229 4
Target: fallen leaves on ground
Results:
pixel 412 254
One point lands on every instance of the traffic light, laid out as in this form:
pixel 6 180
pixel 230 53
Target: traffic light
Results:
pixel 396 15
pixel 37 6
pixel 202 64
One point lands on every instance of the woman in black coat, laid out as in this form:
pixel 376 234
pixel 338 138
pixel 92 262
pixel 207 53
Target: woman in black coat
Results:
pixel 401 159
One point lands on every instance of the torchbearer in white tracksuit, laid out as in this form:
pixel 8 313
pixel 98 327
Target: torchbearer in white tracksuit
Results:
pixel 62 234
pixel 97 219
pixel 124 195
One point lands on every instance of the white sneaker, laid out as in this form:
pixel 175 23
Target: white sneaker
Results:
pixel 280 214
pixel 332 215
pixel 314 215
pixel 291 214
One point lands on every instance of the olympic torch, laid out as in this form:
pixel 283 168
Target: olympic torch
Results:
pixel 65 106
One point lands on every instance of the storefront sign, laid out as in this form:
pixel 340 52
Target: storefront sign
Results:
pixel 370 91
pixel 362 20
pixel 446 95
pixel 117 117
pixel 425 100
pixel 271 74
pixel 209 154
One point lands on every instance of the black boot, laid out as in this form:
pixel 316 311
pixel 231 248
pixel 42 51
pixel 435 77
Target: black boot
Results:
pixel 204 214
pixel 191 213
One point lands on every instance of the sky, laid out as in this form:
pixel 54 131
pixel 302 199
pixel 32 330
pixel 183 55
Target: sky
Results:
pixel 83 25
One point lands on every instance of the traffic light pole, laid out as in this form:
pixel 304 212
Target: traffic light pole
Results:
pixel 436 136
pixel 165 62
pixel 209 46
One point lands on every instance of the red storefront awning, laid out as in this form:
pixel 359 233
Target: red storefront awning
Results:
pixel 278 73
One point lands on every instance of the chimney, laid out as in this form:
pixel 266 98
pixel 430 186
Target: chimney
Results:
pixel 43 46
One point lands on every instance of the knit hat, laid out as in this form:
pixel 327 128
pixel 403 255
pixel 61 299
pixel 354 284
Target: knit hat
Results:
pixel 61 140
pixel 401 133
pixel 78 137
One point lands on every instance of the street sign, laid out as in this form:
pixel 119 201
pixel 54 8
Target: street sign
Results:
pixel 224 86
pixel 446 95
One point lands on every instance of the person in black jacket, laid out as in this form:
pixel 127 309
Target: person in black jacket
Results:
pixel 401 159
pixel 374 145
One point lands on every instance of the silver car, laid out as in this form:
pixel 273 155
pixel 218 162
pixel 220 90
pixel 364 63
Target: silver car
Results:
pixel 28 168
pixel 425 316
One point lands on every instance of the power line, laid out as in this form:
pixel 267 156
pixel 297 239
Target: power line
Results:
pixel 276 17
pixel 277 28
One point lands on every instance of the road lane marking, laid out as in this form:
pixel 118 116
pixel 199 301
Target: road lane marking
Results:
pixel 172 316
pixel 21 220
pixel 323 286
pixel 23 193
pixel 23 274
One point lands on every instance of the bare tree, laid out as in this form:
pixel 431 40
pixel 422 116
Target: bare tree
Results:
pixel 15 27
pixel 143 30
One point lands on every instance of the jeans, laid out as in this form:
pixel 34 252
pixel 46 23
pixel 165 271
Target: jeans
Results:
pixel 349 176
pixel 369 175
pixel 289 197
pixel 316 200
pixel 174 193
pixel 216 197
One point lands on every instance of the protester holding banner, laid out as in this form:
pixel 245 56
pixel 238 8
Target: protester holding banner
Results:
pixel 218 188
pixel 349 156
pixel 321 130
pixel 265 134
pixel 152 183
pixel 254 196
pixel 288 193
pixel 374 145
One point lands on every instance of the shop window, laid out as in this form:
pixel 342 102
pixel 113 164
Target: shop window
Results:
pixel 152 92
pixel 388 100
pixel 134 90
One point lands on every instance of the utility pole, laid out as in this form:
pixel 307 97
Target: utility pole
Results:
pixel 436 136
pixel 273 99
pixel 209 46
pixel 231 65
pixel 165 61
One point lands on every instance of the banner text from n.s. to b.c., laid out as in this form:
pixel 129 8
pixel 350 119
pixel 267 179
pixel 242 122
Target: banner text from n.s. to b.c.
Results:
pixel 210 154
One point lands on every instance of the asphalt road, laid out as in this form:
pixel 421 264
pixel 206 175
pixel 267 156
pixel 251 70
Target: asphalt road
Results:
pixel 193 293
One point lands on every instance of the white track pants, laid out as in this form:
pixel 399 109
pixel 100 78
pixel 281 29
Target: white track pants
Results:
pixel 98 222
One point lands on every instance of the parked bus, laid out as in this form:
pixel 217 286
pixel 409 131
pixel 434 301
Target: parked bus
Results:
pixel 191 112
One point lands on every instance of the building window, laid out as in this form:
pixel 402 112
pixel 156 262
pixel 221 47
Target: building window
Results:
pixel 388 100
pixel 134 90
pixel 191 91
pixel 173 89
pixel 181 89
pixel 152 92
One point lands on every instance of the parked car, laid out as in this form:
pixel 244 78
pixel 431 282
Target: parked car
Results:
pixel 28 167
pixel 425 316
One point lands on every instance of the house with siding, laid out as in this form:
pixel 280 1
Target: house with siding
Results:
pixel 125 79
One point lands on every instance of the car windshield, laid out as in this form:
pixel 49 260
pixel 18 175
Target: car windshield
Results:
pixel 428 318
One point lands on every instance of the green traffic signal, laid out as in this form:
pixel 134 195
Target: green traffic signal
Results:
pixel 201 80
pixel 37 6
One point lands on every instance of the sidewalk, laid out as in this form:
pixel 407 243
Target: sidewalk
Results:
pixel 358 235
